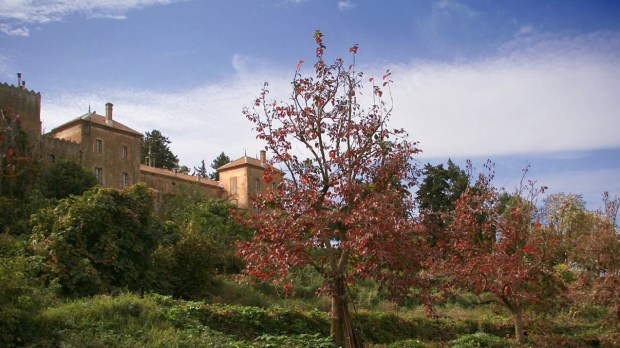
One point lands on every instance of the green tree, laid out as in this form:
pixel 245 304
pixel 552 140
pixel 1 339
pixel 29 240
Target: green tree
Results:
pixel 182 169
pixel 219 161
pixel 441 187
pixel 100 241
pixel 201 171
pixel 65 178
pixel 437 195
pixel 156 146
pixel 205 232
pixel 22 293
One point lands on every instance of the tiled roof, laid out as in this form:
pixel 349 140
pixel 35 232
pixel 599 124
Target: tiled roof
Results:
pixel 99 119
pixel 172 174
pixel 241 161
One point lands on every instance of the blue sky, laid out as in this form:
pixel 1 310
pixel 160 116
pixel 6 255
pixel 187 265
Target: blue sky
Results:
pixel 519 82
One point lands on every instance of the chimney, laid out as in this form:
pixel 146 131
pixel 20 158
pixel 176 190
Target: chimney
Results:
pixel 19 79
pixel 263 156
pixel 108 114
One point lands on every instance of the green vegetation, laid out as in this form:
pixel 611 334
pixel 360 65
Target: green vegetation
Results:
pixel 118 268
pixel 65 178
pixel 84 266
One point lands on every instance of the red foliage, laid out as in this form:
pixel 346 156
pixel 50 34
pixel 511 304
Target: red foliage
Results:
pixel 494 243
pixel 343 206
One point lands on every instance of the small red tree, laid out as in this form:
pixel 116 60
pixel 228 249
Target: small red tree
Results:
pixel 343 205
pixel 495 244
pixel 596 259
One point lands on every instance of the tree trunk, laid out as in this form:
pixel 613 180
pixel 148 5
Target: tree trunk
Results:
pixel 519 330
pixel 341 329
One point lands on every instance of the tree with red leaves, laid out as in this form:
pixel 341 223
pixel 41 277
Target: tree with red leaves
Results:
pixel 595 258
pixel 343 206
pixel 495 244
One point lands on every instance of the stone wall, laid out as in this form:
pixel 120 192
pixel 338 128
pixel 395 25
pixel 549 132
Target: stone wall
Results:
pixel 111 159
pixel 166 181
pixel 54 149
pixel 24 106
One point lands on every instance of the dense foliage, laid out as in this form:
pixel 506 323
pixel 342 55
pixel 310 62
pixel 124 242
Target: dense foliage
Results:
pixel 156 147
pixel 64 178
pixel 98 267
pixel 343 206
pixel 219 161
pixel 100 241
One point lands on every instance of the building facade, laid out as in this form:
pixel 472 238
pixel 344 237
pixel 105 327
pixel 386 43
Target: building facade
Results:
pixel 112 151
pixel 22 108
pixel 108 147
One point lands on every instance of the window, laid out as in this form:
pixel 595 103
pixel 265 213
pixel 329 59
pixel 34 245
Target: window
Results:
pixel 233 185
pixel 124 180
pixel 51 159
pixel 98 146
pixel 124 152
pixel 99 175
pixel 257 184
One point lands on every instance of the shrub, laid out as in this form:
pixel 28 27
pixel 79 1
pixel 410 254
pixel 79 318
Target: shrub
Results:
pixel 130 321
pixel 101 241
pixel 406 344
pixel 479 340
pixel 22 295
pixel 65 178
pixel 294 341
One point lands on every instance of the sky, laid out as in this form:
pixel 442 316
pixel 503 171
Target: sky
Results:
pixel 523 83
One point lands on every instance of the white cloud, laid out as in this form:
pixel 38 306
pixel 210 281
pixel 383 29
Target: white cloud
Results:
pixel 535 96
pixel 6 70
pixel 346 5
pixel 454 6
pixel 201 122
pixel 16 15
pixel 294 2
pixel 526 29
pixel 244 64
pixel 14 31
pixel 545 95
pixel 445 14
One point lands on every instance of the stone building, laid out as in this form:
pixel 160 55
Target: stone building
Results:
pixel 242 178
pixel 22 108
pixel 166 181
pixel 108 147
pixel 112 151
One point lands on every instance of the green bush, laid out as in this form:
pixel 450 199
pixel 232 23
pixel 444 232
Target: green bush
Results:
pixel 65 178
pixel 479 340
pixel 22 294
pixel 129 321
pixel 251 322
pixel 406 344
pixel 101 241
pixel 294 341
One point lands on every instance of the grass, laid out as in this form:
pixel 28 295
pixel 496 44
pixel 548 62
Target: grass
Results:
pixel 151 320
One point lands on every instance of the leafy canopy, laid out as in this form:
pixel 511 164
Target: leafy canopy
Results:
pixel 343 205
pixel 219 161
pixel 156 145
pixel 100 241
pixel 65 178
